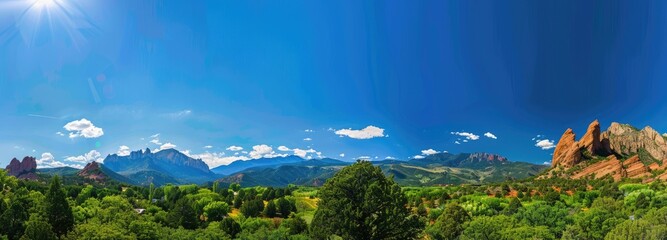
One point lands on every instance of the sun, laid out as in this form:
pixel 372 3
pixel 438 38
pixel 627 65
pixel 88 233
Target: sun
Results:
pixel 47 21
pixel 44 4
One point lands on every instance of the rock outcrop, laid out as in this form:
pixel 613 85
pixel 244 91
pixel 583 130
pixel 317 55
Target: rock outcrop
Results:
pixel 626 140
pixel 23 169
pixel 567 150
pixel 92 171
pixel 620 152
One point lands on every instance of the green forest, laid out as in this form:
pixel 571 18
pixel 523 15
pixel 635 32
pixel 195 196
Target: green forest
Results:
pixel 359 202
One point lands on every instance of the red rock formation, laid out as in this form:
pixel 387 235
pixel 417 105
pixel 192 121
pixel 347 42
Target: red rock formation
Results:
pixel 23 169
pixel 92 171
pixel 611 166
pixel 591 140
pixel 567 150
pixel 620 140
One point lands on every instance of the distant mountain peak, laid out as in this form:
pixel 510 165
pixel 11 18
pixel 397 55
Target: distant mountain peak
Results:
pixel 170 165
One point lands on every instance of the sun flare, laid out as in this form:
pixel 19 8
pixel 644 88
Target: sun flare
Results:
pixel 44 3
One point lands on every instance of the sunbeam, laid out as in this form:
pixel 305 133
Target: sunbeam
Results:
pixel 41 21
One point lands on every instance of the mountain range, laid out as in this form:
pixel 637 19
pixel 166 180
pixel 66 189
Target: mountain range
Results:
pixel 622 151
pixel 435 169
pixel 171 166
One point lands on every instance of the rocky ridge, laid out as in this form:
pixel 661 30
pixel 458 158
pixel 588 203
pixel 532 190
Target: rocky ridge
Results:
pixel 621 151
pixel 92 171
pixel 24 169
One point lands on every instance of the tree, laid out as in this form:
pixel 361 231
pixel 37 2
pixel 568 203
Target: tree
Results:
pixel 58 210
pixel 421 210
pixel 444 197
pixel 37 229
pixel 238 202
pixel 183 215
pixel 484 227
pixel 450 224
pixel 513 207
pixel 360 202
pixel 252 208
pixel 231 227
pixel 541 214
pixel 13 219
pixel 235 187
pixel 216 211
pixel 642 201
pixel 637 229
pixel 285 207
pixel 270 209
pixel 295 224
pixel 527 232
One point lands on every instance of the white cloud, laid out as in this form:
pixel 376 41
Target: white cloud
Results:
pixel 457 142
pixel 283 148
pixel 179 114
pixel 234 148
pixel 546 163
pixel 389 157
pixel 60 134
pixel 664 134
pixel 429 152
pixel 123 151
pixel 341 155
pixel 155 135
pixel 366 133
pixel 167 146
pixel 465 140
pixel 302 153
pixel 83 128
pixel 490 135
pixel 48 161
pixel 364 157
pixel 418 157
pixel 308 130
pixel 545 144
pixel 259 151
pixel 467 135
pixel 307 139
pixel 208 146
pixel 93 155
pixel 218 159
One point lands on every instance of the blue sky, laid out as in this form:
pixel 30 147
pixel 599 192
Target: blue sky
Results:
pixel 398 77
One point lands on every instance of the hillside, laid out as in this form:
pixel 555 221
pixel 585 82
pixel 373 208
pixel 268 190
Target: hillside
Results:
pixel 436 169
pixel 62 171
pixel 622 151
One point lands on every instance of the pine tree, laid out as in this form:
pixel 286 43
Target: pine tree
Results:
pixel 285 207
pixel 58 210
pixel 13 219
pixel 270 209
pixel 231 227
pixel 513 207
pixel 183 215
